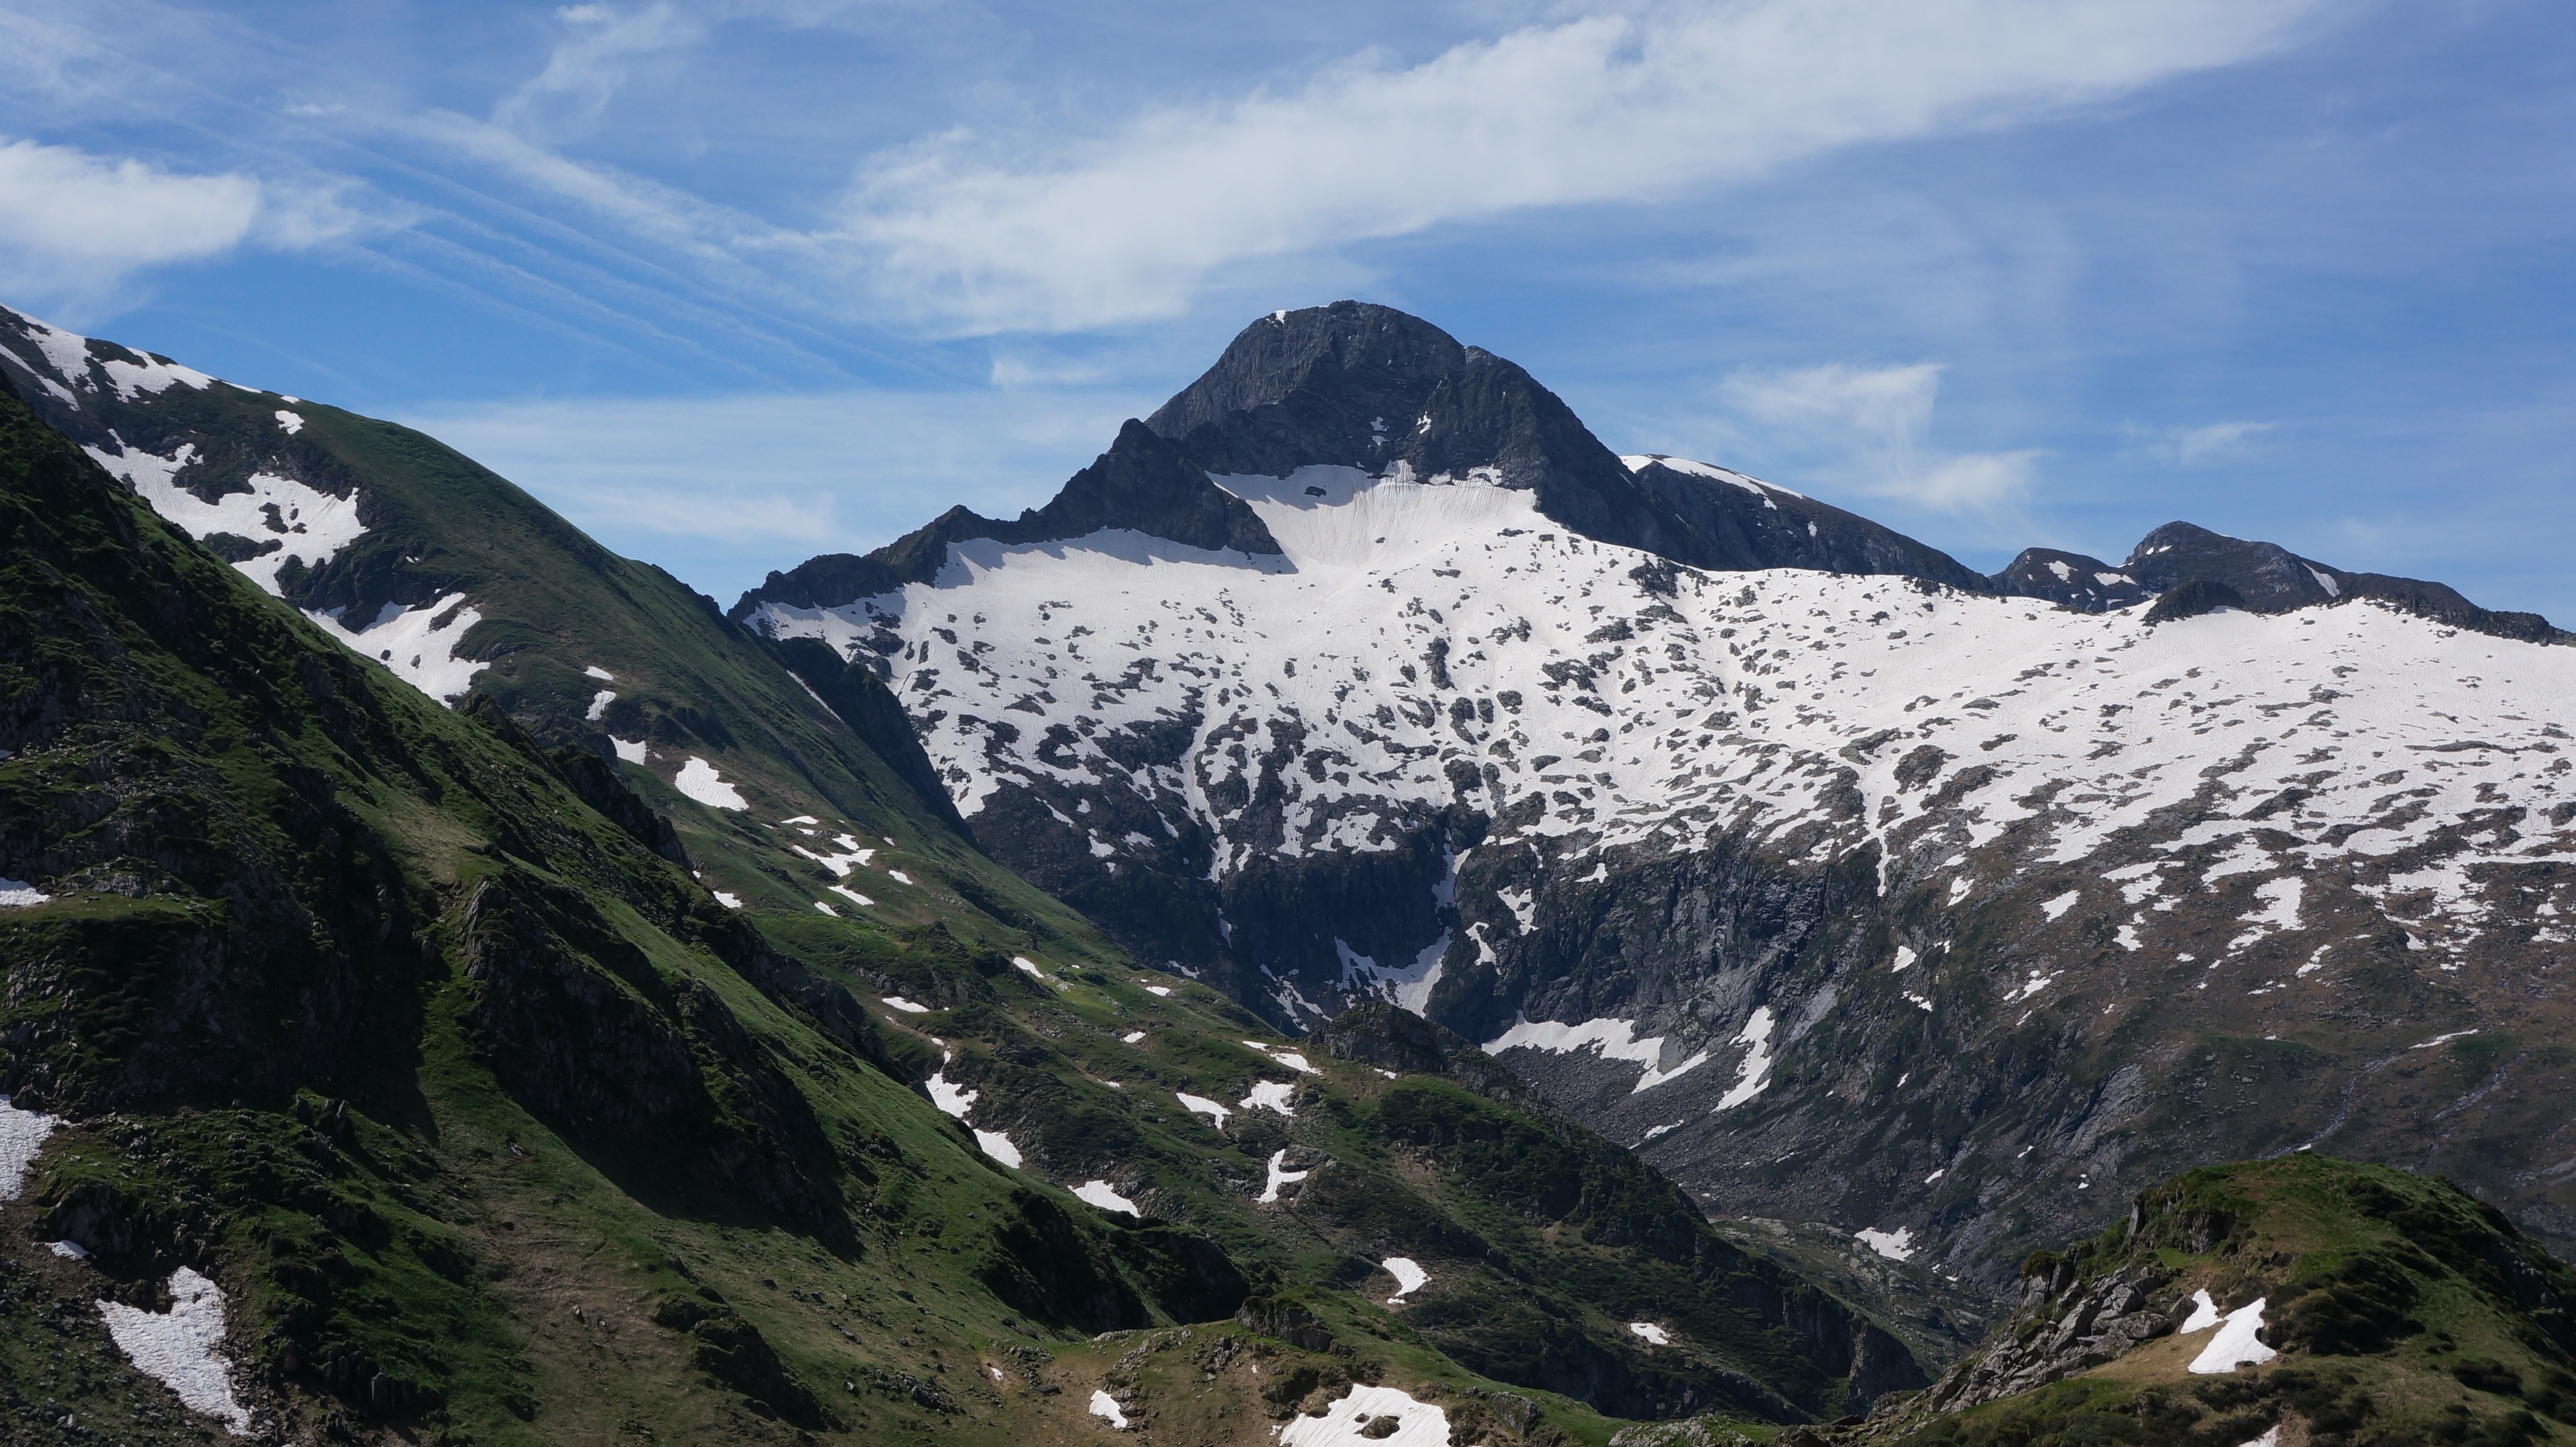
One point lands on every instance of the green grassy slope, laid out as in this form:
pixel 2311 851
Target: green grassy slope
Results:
pixel 2403 1311
pixel 495 1125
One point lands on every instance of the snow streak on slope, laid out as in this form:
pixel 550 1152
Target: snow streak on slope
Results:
pixel 279 514
pixel 1424 643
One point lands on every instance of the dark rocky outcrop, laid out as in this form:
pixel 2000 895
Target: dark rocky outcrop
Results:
pixel 2070 580
pixel 854 693
pixel 1141 483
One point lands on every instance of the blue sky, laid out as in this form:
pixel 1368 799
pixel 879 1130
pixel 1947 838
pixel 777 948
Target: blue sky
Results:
pixel 731 284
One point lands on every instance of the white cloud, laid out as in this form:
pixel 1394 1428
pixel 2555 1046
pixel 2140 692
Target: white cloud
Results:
pixel 2212 442
pixel 1873 419
pixel 74 227
pixel 589 65
pixel 1611 107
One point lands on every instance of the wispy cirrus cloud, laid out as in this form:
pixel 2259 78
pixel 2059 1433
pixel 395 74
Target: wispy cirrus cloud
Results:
pixel 1611 107
pixel 1869 427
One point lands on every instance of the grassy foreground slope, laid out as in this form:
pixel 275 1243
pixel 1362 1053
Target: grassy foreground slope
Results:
pixel 495 1124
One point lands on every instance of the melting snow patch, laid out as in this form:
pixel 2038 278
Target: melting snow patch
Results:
pixel 1651 1332
pixel 599 703
pixel 1105 1196
pixel 178 1350
pixel 1105 1407
pixel 1354 1422
pixel 18 894
pixel 292 422
pixel 22 1134
pixel 68 1250
pixel 1611 1039
pixel 2235 1345
pixel 2204 1314
pixel 303 522
pixel 950 1097
pixel 602 674
pixel 632 751
pixel 727 900
pixel 1158 989
pixel 841 863
pixel 418 644
pixel 1896 1245
pixel 2443 1039
pixel 999 1147
pixel 1755 1072
pixel 906 1006
pixel 699 781
pixel 1270 1095
pixel 1131 1037
pixel 826 909
pixel 2127 938
pixel 1280 1177
pixel 852 895
pixel 2271 1438
pixel 1904 958
pixel 1289 1058
pixel 1409 1277
pixel 2057 907
pixel 1201 1105
pixel 1028 966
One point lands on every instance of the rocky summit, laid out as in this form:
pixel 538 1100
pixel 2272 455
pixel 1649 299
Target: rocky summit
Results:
pixel 1844 882
pixel 1370 915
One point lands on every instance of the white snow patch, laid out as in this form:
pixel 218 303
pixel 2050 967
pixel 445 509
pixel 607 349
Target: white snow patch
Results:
pixel 907 1006
pixel 1417 1424
pixel 2235 1344
pixel 823 908
pixel 1409 1277
pixel 292 422
pixel 1651 1332
pixel 2204 1314
pixel 999 1147
pixel 2326 581
pixel 852 895
pixel 1611 1039
pixel 846 857
pixel 304 522
pixel 178 1349
pixel 630 750
pixel 729 901
pixel 1164 990
pixel 1105 1196
pixel 1131 1037
pixel 1105 1407
pixel 2271 1438
pixel 698 780
pixel 418 644
pixel 2443 1039
pixel 949 1096
pixel 1270 1095
pixel 599 703
pixel 2059 906
pixel 19 894
pixel 1280 1176
pixel 68 1250
pixel 1755 1072
pixel 22 1134
pixel 603 675
pixel 1896 1245
pixel 1290 1058
pixel 1905 958
pixel 1028 967
pixel 898 876
pixel 1201 1105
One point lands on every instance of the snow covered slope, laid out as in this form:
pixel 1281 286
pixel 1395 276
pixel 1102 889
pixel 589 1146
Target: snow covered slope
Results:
pixel 1926 888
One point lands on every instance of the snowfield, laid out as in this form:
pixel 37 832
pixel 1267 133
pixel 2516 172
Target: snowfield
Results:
pixel 1428 642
